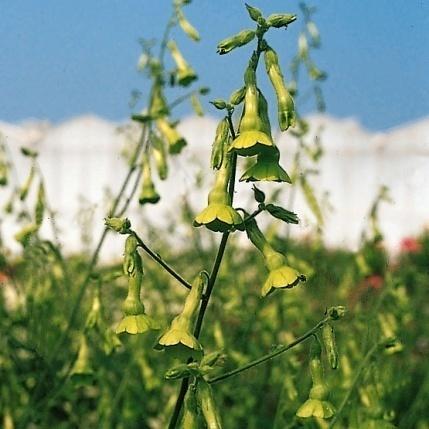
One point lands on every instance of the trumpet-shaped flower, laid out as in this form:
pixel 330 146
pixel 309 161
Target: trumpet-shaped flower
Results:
pixel 280 275
pixel 254 129
pixel 219 215
pixel 316 408
pixel 266 168
pixel 135 320
pixel 185 74
pixel 179 339
pixel 82 371
pixel 175 141
pixel 148 194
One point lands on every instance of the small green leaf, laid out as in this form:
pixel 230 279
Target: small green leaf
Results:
pixel 282 214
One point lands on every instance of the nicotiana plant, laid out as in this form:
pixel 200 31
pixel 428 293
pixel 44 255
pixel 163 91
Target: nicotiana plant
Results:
pixel 251 144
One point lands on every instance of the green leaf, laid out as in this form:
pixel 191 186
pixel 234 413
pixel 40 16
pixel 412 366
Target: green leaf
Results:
pixel 282 214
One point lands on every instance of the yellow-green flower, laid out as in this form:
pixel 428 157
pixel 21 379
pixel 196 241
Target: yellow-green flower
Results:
pixel 175 141
pixel 316 408
pixel 158 104
pixel 137 324
pixel 266 168
pixel 185 73
pixel 219 215
pixel 82 371
pixel 179 339
pixel 254 134
pixel 135 320
pixel 148 194
pixel 280 276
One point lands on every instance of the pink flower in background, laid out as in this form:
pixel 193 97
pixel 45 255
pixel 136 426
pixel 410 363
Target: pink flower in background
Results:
pixel 410 245
pixel 374 282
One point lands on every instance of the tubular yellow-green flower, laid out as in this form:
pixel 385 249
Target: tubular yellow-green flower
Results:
pixel 317 405
pixel 148 192
pixel 135 320
pixel 190 418
pixel 179 339
pixel 219 215
pixel 280 276
pixel 266 168
pixel 184 72
pixel 186 26
pixel 82 371
pixel 254 133
pixel 175 141
pixel 285 105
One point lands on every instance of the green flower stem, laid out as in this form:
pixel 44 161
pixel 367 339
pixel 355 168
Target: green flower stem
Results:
pixel 271 355
pixel 359 372
pixel 161 262
pixel 212 280
pixel 183 98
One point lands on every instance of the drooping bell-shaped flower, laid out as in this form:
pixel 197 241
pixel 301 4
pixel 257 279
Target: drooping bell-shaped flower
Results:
pixel 253 133
pixel 148 193
pixel 179 339
pixel 135 320
pixel 266 168
pixel 185 74
pixel 317 405
pixel 82 371
pixel 175 141
pixel 186 26
pixel 281 275
pixel 285 105
pixel 219 215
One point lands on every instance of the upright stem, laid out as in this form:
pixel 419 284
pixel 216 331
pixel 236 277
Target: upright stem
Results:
pixel 212 280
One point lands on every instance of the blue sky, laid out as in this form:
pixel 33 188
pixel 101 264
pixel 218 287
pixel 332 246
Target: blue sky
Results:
pixel 60 58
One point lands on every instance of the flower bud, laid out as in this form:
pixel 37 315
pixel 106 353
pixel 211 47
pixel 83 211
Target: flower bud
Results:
pixel 328 337
pixel 208 405
pixel 254 12
pixel 239 39
pixel 285 105
pixel 279 20
pixel 337 312
pixel 186 26
pixel 118 224
pixel 196 105
pixel 190 419
pixel 314 33
pixel 237 96
pixel 219 104
pixel 221 140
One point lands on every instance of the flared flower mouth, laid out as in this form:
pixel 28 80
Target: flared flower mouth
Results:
pixel 177 145
pixel 284 277
pixel 219 218
pixel 179 343
pixel 186 77
pixel 316 408
pixel 137 324
pixel 250 143
pixel 265 171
